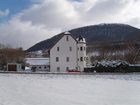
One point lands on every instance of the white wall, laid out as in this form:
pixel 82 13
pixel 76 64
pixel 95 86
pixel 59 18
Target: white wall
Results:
pixel 63 52
pixel 41 67
pixel 81 64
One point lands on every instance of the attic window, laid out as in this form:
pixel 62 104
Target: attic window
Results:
pixel 57 48
pixel 67 38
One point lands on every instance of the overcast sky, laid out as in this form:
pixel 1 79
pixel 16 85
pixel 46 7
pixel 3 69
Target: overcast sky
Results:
pixel 23 23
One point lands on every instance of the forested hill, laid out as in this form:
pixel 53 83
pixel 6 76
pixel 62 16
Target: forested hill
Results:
pixel 96 34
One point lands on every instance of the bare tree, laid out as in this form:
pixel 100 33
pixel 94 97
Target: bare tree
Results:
pixel 11 55
pixel 126 51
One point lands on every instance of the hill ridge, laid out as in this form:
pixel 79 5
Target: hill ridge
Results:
pixel 112 32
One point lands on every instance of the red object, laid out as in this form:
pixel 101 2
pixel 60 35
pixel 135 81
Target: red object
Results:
pixel 74 71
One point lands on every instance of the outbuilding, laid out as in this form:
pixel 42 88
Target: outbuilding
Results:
pixel 14 67
pixel 38 64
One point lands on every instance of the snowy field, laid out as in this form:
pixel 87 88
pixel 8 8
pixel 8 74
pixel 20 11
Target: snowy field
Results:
pixel 48 89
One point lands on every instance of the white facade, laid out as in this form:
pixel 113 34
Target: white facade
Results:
pixel 81 53
pixel 65 54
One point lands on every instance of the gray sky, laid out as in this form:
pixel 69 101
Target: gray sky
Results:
pixel 44 18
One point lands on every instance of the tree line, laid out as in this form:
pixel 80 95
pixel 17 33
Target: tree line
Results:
pixel 10 55
pixel 127 51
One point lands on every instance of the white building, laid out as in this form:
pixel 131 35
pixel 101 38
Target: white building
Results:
pixel 38 64
pixel 14 67
pixel 68 54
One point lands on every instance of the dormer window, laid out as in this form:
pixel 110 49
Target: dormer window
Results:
pixel 67 38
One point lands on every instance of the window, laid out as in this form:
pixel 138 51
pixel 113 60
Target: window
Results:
pixel 57 59
pixel 39 67
pixel 67 59
pixel 57 48
pixel 70 48
pixel 78 59
pixel 58 69
pixel 67 38
pixel 45 67
pixel 67 68
pixel 84 58
pixel 81 59
pixel 84 48
pixel 81 48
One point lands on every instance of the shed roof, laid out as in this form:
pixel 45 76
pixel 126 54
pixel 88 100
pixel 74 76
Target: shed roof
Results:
pixel 37 61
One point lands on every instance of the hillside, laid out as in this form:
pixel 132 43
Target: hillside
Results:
pixel 96 34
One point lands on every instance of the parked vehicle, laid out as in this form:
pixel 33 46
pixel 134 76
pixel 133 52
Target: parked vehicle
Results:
pixel 73 71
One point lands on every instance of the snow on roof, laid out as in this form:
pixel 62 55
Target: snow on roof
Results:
pixel 37 61
pixel 67 33
pixel 116 63
pixel 27 68
pixel 138 65
pixel 81 39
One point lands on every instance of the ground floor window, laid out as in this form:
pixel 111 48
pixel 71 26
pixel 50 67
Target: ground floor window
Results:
pixel 67 68
pixel 58 69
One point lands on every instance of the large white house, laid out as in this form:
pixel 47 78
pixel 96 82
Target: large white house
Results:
pixel 68 54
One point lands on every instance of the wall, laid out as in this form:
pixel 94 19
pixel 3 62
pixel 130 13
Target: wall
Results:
pixel 81 64
pixel 63 52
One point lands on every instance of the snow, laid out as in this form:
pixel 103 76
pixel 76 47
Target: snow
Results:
pixel 67 33
pixel 49 89
pixel 106 63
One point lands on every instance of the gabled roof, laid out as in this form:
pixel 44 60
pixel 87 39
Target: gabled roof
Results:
pixel 63 34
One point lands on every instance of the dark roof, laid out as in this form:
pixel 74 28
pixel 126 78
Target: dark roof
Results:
pixel 80 38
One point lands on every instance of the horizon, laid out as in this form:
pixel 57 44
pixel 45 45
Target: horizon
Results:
pixel 26 22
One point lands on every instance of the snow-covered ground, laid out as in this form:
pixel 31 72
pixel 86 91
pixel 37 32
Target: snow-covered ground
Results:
pixel 48 89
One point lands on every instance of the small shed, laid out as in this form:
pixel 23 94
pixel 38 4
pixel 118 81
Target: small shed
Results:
pixel 14 67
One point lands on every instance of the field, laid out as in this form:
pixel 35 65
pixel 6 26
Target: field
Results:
pixel 49 89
